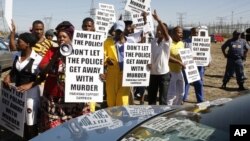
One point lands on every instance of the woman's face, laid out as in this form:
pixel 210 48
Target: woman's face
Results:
pixel 63 38
pixel 21 45
pixel 178 34
pixel 158 32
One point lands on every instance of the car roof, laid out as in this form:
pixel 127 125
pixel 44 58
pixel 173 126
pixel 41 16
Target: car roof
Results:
pixel 113 122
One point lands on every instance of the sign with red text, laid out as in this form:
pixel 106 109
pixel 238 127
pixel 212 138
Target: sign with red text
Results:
pixel 83 67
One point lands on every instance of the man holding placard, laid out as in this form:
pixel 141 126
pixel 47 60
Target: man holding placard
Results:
pixel 113 54
pixel 198 85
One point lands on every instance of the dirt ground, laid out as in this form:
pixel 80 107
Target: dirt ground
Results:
pixel 214 74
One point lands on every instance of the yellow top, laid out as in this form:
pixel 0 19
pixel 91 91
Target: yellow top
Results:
pixel 174 52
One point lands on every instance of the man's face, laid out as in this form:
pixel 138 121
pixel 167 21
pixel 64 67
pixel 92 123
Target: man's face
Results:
pixel 129 29
pixel 38 30
pixel 88 26
pixel 119 34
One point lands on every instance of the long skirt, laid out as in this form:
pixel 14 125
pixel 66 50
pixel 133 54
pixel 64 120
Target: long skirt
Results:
pixel 54 111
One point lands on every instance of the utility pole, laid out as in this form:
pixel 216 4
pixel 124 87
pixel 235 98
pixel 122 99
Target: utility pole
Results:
pixel 180 22
pixel 92 9
pixel 232 22
pixel 47 21
pixel 221 21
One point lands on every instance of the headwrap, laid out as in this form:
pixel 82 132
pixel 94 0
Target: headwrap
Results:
pixel 28 38
pixel 66 27
pixel 49 32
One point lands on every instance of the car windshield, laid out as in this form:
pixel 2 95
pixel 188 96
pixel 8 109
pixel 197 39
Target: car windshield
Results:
pixel 175 126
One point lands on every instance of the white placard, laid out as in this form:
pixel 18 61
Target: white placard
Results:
pixel 102 22
pixel 109 8
pixel 137 5
pixel 136 58
pixel 83 67
pixel 201 50
pixel 8 12
pixel 12 111
pixel 96 120
pixel 191 69
pixel 138 22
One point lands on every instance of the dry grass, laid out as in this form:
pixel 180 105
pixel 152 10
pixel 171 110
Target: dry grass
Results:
pixel 214 75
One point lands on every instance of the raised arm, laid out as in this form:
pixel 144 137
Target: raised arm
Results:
pixel 162 26
pixel 12 43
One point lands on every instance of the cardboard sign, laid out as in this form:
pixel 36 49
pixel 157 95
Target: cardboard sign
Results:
pixel 201 50
pixel 102 22
pixel 137 5
pixel 8 12
pixel 138 22
pixel 136 58
pixel 83 67
pixel 191 69
pixel 12 111
pixel 109 8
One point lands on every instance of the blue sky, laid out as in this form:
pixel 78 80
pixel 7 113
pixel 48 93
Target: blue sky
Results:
pixel 193 11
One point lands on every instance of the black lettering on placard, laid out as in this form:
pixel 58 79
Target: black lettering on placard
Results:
pixel 82 78
pixel 91 61
pixel 5 101
pixel 137 68
pixel 11 112
pixel 93 43
pixel 141 61
pixel 91 70
pixel 80 52
pixel 73 60
pixel 18 101
pixel 10 119
pixel 129 54
pixel 83 35
pixel 200 58
pixel 136 75
pixel 137 4
pixel 133 47
pixel 74 68
pixel 82 87
pixel 16 108
pixel 192 72
pixel 130 61
pixel 203 49
pixel 140 54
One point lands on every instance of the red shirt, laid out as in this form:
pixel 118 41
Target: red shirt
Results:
pixel 52 86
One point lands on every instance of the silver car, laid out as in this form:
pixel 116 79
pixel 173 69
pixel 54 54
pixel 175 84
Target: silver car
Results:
pixel 6 57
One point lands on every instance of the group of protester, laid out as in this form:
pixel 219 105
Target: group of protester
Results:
pixel 39 62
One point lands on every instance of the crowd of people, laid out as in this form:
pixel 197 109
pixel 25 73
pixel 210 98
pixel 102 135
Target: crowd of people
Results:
pixel 39 65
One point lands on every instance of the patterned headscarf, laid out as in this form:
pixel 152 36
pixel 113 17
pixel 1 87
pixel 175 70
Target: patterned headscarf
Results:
pixel 66 27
